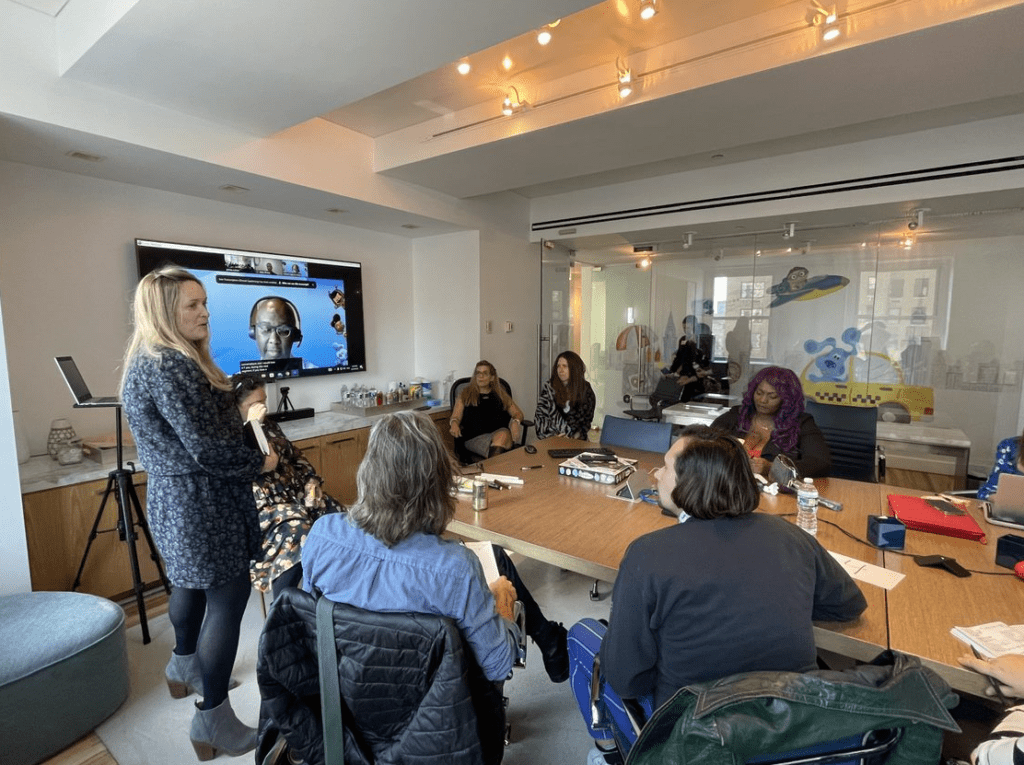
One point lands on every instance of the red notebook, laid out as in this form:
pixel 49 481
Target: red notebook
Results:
pixel 917 514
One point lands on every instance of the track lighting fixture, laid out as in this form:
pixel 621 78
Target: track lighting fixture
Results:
pixel 544 35
pixel 827 19
pixel 512 104
pixel 918 221
pixel 463 67
pixel 688 240
pixel 644 263
pixel 789 231
pixel 625 80
pixel 648 9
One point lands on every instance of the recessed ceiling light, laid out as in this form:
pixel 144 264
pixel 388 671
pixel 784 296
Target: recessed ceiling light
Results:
pixel 507 63
pixel 85 156
pixel 648 9
pixel 463 67
pixel 544 36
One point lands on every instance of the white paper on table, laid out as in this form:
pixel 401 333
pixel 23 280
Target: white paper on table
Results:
pixel 485 552
pixel 992 639
pixel 868 572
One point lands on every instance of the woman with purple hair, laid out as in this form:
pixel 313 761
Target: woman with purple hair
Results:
pixel 771 421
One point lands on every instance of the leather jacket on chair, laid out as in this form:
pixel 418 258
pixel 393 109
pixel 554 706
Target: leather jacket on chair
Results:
pixel 736 718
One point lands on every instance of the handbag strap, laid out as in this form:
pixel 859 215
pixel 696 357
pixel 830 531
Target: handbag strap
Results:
pixel 330 684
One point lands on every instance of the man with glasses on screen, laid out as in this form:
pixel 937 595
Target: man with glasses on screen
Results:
pixel 275 325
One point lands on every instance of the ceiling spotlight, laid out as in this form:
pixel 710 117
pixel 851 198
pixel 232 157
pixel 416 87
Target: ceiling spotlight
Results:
pixel 506 63
pixel 648 9
pixel 907 242
pixel 625 82
pixel 828 20
pixel 789 231
pixel 463 67
pixel 918 222
pixel 688 240
pixel 544 36
pixel 645 263
pixel 512 104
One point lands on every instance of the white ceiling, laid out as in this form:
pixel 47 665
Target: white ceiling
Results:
pixel 385 70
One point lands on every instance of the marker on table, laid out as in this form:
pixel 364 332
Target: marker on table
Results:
pixel 531 467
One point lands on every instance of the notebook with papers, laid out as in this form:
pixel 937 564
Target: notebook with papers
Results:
pixel 79 390
pixel 1006 506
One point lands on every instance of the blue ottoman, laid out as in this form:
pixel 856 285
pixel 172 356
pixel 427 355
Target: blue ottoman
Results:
pixel 63 670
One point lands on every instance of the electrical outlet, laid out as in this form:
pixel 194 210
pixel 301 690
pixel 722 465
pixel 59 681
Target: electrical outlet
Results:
pixel 487 327
pixel 508 326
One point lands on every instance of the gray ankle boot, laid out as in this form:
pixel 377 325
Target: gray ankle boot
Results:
pixel 217 731
pixel 184 678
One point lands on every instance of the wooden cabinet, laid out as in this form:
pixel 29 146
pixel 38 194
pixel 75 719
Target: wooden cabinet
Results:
pixel 312 450
pixel 57 525
pixel 442 420
pixel 342 453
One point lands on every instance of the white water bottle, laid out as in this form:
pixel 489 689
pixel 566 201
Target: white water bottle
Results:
pixel 807 507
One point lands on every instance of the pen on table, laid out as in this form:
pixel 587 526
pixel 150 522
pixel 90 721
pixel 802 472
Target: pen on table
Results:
pixel 991 680
pixel 531 467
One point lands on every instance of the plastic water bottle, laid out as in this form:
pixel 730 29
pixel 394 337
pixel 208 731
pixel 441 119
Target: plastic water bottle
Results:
pixel 807 507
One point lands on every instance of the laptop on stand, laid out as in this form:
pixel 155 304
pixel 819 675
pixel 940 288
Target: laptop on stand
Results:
pixel 79 390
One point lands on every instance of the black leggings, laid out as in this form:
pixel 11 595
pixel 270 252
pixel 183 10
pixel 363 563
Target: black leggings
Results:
pixel 207 623
pixel 535 619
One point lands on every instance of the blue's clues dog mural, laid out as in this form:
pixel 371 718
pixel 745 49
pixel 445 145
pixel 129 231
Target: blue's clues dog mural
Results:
pixel 832 364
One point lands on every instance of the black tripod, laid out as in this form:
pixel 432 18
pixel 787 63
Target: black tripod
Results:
pixel 129 515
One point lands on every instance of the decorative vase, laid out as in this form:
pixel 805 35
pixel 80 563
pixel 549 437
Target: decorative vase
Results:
pixel 20 439
pixel 61 433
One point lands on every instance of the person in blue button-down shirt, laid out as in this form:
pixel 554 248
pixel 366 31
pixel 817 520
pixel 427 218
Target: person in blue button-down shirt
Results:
pixel 387 554
pixel 1007 461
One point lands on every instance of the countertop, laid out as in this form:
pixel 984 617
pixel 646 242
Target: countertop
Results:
pixel 920 433
pixel 41 473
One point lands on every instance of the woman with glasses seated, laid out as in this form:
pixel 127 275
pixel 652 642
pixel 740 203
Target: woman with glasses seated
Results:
pixel 485 420
pixel 288 498
pixel 567 402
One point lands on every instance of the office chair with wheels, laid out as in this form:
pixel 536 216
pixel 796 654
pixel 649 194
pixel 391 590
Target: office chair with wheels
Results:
pixel 397 671
pixel 851 435
pixel 464 455
pixel 667 393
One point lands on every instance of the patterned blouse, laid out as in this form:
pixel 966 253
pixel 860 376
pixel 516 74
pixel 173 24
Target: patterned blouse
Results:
pixel 572 421
pixel 286 508
pixel 1007 454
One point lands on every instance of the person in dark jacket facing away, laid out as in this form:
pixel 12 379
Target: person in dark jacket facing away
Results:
pixel 387 554
pixel 725 590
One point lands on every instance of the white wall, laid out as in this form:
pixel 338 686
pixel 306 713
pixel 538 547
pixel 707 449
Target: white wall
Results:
pixel 68 272
pixel 13 547
pixel 446 316
pixel 510 292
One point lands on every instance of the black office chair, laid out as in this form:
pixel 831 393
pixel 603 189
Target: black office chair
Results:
pixel 667 393
pixel 390 703
pixel 851 435
pixel 464 455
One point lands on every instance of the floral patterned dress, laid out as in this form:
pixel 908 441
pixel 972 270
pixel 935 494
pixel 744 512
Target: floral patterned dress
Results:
pixel 286 509
pixel 199 492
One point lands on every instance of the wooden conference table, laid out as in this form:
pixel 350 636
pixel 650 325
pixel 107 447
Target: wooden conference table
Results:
pixel 577 525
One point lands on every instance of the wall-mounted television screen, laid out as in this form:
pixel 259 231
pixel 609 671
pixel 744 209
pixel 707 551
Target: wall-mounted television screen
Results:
pixel 275 316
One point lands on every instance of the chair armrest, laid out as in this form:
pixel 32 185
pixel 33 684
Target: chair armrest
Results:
pixel 519 617
pixel 881 462
pixel 596 710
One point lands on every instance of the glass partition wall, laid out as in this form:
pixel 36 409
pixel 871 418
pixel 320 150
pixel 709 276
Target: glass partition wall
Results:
pixel 923 324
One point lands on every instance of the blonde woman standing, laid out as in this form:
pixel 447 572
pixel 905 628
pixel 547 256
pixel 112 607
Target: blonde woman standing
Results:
pixel 182 414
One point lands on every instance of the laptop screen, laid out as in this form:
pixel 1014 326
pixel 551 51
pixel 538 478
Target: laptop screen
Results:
pixel 73 378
